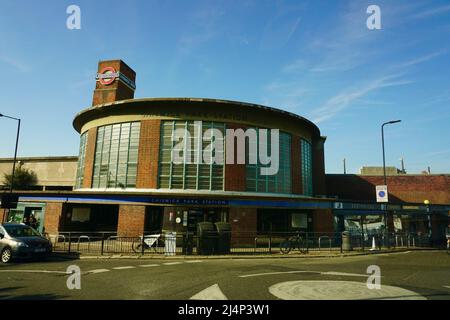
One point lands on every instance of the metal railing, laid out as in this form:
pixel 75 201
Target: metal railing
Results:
pixel 109 243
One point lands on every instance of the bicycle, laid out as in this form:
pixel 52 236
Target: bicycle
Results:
pixel 297 241
pixel 151 241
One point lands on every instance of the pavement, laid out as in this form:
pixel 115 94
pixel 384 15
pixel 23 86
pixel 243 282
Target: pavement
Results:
pixel 411 274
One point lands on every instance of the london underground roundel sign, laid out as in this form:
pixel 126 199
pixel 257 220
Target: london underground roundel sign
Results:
pixel 107 76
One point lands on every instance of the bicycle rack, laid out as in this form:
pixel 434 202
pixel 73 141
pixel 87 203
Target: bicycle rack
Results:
pixel 325 237
pixel 61 236
pixel 84 237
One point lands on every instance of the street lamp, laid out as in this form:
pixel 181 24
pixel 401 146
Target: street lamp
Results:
pixel 384 171
pixel 15 153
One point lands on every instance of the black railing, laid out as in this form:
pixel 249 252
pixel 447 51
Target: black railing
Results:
pixel 109 243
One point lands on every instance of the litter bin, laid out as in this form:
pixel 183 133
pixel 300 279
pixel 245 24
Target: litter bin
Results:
pixel 224 237
pixel 206 238
pixel 346 241
pixel 170 240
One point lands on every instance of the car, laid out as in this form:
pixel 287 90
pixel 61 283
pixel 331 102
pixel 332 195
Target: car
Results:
pixel 22 241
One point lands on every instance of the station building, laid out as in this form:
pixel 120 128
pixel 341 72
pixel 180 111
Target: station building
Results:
pixel 127 182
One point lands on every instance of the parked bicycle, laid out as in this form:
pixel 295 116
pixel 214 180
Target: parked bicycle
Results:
pixel 153 241
pixel 297 241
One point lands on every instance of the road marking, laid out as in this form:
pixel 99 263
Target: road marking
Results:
pixel 330 273
pixel 149 265
pixel 171 263
pixel 274 273
pixel 36 271
pixel 123 268
pixel 448 287
pixel 210 293
pixel 98 271
pixel 193 261
pixel 339 290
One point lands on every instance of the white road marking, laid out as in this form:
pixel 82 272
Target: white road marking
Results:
pixel 210 293
pixel 448 287
pixel 35 271
pixel 273 273
pixel 98 271
pixel 171 263
pixel 193 261
pixel 330 273
pixel 123 268
pixel 149 265
pixel 339 290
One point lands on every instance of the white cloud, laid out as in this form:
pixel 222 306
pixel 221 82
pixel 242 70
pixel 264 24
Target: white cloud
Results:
pixel 21 67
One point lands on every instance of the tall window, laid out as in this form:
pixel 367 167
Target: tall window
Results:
pixel 80 165
pixel 190 174
pixel 277 183
pixel 116 155
pixel 306 167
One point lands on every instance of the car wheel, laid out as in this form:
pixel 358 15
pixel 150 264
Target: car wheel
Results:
pixel 6 255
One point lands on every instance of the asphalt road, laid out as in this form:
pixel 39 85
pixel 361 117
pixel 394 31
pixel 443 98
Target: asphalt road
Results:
pixel 407 275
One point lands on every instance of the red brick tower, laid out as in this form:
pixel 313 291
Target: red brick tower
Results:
pixel 115 81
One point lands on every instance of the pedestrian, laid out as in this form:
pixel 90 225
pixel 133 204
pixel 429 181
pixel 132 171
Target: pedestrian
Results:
pixel 33 222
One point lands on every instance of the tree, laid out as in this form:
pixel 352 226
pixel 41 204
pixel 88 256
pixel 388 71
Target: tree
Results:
pixel 23 178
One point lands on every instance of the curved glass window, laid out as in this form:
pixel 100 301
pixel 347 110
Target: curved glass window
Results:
pixel 80 164
pixel 116 156
pixel 191 139
pixel 276 183
pixel 306 152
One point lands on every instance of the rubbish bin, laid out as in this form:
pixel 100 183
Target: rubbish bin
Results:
pixel 206 238
pixel 224 237
pixel 170 240
pixel 346 241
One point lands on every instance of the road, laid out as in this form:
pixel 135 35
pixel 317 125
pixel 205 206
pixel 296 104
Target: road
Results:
pixel 406 275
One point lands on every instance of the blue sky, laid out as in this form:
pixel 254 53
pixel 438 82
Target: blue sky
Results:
pixel 314 58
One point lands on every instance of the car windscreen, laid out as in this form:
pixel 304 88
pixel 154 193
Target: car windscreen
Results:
pixel 21 231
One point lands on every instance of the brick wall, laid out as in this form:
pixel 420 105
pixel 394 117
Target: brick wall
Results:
pixel 296 166
pixel 2 213
pixel 131 221
pixel 53 215
pixel 116 90
pixel 403 188
pixel 323 221
pixel 148 156
pixel 243 225
pixel 89 158
pixel 235 173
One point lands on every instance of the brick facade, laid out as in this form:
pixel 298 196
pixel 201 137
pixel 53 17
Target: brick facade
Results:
pixel 402 188
pixel 131 221
pixel 53 216
pixel 323 221
pixel 117 90
pixel 243 225
pixel 2 214
pixel 148 156
pixel 89 158
pixel 235 173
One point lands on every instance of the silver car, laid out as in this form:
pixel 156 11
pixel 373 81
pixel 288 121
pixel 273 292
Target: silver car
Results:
pixel 22 241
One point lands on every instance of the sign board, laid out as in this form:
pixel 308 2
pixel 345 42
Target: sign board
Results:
pixel 107 76
pixel 382 193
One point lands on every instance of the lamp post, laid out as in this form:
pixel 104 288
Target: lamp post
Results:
pixel 15 154
pixel 427 204
pixel 384 174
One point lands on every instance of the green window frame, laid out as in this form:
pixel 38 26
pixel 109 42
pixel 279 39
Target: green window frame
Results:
pixel 188 175
pixel 116 156
pixel 81 161
pixel 307 181
pixel 277 183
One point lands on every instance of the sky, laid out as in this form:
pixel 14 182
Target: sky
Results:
pixel 315 58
